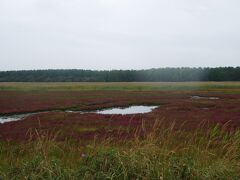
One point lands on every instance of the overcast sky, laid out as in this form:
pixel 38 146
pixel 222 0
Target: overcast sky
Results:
pixel 118 34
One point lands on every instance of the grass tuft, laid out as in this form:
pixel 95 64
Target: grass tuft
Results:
pixel 163 153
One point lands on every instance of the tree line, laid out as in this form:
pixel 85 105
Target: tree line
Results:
pixel 152 75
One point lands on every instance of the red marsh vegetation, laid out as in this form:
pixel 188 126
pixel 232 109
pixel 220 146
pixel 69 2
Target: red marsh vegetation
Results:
pixel 174 106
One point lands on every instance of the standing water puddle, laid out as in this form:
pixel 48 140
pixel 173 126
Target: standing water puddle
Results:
pixel 123 111
pixel 202 97
pixel 17 117
pixel 128 110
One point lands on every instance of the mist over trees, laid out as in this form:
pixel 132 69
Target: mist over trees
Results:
pixel 153 75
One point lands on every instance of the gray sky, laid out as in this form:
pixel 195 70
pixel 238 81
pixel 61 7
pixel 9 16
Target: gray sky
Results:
pixel 118 34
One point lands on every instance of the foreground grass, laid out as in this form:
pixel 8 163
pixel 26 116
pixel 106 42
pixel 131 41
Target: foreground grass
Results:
pixel 164 153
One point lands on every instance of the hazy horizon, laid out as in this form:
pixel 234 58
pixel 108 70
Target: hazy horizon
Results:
pixel 120 69
pixel 120 35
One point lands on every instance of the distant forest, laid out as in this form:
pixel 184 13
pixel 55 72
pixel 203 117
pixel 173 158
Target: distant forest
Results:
pixel 160 74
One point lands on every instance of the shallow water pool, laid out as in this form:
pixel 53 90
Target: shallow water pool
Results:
pixel 128 110
pixel 117 110
pixel 10 118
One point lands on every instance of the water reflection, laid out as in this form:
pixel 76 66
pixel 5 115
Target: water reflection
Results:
pixel 128 110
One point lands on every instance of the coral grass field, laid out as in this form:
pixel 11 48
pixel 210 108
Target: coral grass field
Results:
pixel 175 100
pixel 192 134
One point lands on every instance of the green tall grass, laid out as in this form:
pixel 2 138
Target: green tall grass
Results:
pixel 223 87
pixel 163 153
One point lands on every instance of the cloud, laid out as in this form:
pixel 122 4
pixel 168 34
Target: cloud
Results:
pixel 126 34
